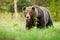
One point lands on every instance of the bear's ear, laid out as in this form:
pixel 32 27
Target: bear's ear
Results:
pixel 33 8
pixel 23 8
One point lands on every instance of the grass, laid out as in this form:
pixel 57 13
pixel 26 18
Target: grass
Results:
pixel 10 29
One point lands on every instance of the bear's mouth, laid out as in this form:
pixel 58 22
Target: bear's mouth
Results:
pixel 28 20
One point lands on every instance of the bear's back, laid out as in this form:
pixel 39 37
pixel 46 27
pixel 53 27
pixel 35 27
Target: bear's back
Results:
pixel 46 14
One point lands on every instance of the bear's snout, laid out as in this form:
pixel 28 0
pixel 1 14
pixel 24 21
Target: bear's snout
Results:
pixel 28 17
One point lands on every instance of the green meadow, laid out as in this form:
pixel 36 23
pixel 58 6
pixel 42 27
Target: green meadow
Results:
pixel 11 29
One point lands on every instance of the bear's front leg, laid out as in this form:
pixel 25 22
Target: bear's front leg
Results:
pixel 28 25
pixel 40 23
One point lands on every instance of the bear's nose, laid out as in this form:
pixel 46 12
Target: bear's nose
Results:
pixel 27 17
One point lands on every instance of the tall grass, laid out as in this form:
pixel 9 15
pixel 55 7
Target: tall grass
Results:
pixel 10 29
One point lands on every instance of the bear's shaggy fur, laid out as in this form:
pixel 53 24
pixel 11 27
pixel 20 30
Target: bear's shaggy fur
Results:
pixel 37 14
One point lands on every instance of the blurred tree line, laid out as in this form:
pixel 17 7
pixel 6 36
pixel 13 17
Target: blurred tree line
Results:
pixel 52 5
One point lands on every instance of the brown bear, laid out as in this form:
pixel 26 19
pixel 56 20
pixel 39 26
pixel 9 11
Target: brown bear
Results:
pixel 37 14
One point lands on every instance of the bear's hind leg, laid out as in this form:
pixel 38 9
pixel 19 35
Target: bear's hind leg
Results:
pixel 50 23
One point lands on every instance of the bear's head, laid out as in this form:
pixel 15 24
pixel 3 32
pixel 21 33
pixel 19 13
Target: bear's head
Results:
pixel 29 12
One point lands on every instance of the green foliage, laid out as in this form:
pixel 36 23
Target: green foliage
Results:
pixel 44 2
pixel 20 5
pixel 52 5
pixel 55 10
pixel 10 29
pixel 9 32
pixel 10 7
